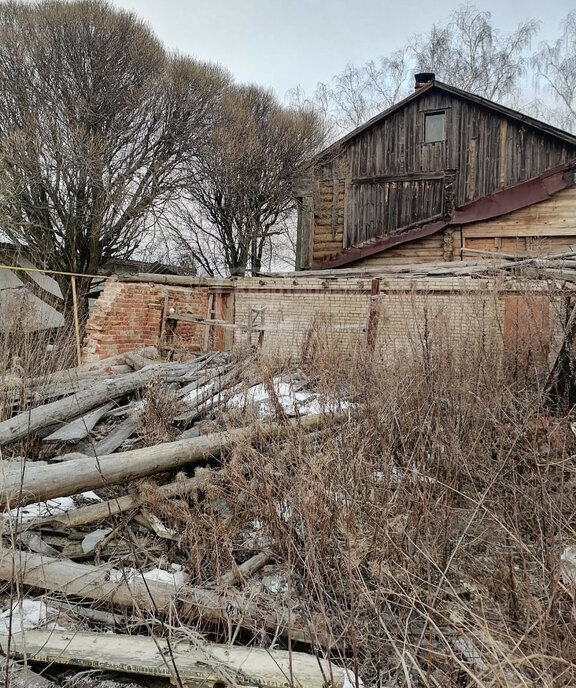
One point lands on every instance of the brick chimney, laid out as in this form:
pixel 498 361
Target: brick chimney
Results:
pixel 423 79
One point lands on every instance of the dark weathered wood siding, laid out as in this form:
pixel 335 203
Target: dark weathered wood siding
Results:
pixel 387 179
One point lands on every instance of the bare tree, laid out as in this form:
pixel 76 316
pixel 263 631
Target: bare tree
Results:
pixel 357 93
pixel 555 63
pixel 470 53
pixel 97 127
pixel 240 188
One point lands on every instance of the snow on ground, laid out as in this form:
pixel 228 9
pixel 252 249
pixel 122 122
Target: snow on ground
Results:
pixel 177 578
pixel 294 402
pixel 28 614
pixel 351 681
pixel 50 508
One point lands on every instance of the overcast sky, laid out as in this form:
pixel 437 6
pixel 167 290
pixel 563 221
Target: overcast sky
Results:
pixel 281 44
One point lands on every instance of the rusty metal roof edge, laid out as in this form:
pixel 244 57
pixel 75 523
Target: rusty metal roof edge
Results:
pixel 534 190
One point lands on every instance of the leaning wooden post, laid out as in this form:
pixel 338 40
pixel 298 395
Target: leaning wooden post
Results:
pixel 372 327
pixel 76 323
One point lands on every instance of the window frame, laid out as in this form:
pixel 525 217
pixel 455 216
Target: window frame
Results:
pixel 434 113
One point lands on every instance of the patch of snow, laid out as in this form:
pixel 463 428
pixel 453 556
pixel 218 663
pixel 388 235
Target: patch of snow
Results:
pixel 178 578
pixel 294 402
pixel 400 474
pixel 284 510
pixel 258 536
pixel 129 575
pixel 568 565
pixel 28 614
pixel 91 495
pixel 52 507
pixel 351 680
pixel 275 583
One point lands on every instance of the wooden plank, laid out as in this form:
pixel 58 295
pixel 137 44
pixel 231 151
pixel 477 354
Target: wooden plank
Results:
pixel 79 428
pixel 114 439
pixel 192 664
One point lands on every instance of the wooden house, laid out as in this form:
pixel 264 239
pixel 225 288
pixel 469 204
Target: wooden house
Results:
pixel 443 175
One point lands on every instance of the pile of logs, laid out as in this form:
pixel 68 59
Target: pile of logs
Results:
pixel 73 445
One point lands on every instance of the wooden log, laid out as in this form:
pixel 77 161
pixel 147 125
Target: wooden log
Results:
pixel 93 583
pixel 87 370
pixel 96 615
pixel 72 477
pixel 247 569
pixel 203 379
pixel 191 664
pixel 23 424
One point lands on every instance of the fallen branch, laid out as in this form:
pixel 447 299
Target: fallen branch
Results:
pixel 98 512
pixel 247 569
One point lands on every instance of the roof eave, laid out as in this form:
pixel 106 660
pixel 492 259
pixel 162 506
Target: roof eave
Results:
pixel 502 109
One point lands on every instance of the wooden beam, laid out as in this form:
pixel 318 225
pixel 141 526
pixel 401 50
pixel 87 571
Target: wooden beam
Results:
pixel 192 664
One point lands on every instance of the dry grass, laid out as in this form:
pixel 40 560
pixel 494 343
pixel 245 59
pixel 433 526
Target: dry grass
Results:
pixel 26 354
pixel 425 530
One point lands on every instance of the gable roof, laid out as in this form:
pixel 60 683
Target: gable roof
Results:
pixel 440 86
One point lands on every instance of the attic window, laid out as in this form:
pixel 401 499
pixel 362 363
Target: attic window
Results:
pixel 434 127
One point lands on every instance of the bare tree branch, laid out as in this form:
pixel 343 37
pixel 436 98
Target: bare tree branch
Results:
pixel 240 188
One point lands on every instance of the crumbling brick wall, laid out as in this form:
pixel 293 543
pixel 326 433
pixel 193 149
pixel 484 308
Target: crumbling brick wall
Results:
pixel 289 315
pixel 128 316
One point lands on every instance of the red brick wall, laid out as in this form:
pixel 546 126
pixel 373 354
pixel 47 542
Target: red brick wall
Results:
pixel 128 315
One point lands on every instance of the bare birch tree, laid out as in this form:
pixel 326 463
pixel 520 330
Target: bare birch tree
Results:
pixel 97 127
pixel 555 64
pixel 471 54
pixel 468 52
